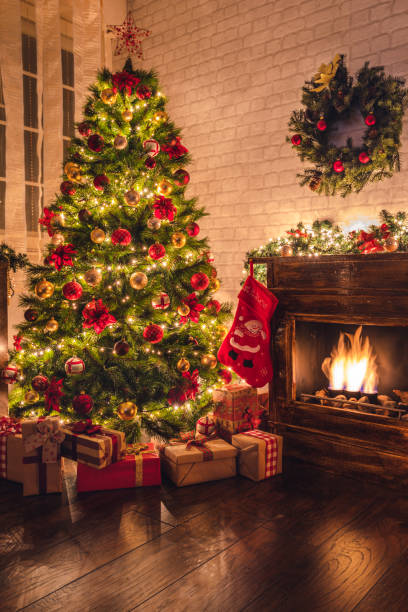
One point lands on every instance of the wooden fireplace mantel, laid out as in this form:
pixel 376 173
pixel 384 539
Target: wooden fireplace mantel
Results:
pixel 354 289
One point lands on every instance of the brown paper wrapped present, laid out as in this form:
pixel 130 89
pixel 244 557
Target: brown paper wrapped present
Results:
pixel 187 464
pixel 42 467
pixel 11 449
pixel 260 454
pixel 235 405
pixel 93 445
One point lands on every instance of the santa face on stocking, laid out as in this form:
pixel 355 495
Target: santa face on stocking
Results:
pixel 248 346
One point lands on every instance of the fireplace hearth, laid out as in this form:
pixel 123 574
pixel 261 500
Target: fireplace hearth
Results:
pixel 340 353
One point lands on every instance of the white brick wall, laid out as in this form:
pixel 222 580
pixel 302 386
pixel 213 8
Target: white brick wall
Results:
pixel 233 71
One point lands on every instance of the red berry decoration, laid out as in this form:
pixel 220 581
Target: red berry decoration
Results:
pixel 143 92
pixel 40 383
pixel 213 306
pixel 84 129
pixel 370 120
pixel 96 143
pixel 121 348
pixel 153 333
pixel 84 215
pixel 30 315
pixel 82 404
pixel 338 166
pixel 122 237
pixel 192 229
pixel 321 125
pixel 72 290
pixel 67 188
pixel 157 251
pixel 100 182
pixel 296 140
pixel 363 157
pixel 150 162
pixel 181 177
pixel 200 281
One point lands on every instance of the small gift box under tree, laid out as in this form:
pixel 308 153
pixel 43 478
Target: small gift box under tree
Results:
pixel 42 471
pixel 236 409
pixel 92 445
pixel 11 449
pixel 260 454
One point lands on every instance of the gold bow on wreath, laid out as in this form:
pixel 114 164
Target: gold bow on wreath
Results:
pixel 326 74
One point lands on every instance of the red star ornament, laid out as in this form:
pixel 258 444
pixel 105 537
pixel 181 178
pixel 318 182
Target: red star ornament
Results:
pixel 128 37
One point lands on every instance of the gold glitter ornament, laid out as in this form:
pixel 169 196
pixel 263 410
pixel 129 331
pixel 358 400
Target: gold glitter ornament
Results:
pixel 183 310
pixel 209 361
pixel 215 284
pixel 183 365
pixel 108 96
pixel 159 116
pixel 138 280
pixel 31 396
pixel 98 235
pixel 93 277
pixel 178 240
pixel 120 142
pixel 132 197
pixel 391 244
pixel 127 115
pixel 164 188
pixel 57 239
pixel 44 289
pixel 73 172
pixel 286 250
pixel 51 325
pixel 153 223
pixel 127 411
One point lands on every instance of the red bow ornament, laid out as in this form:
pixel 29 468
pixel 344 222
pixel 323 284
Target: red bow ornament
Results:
pixel 164 208
pixel 193 386
pixel 174 148
pixel 46 220
pixel 86 427
pixel 124 81
pixel 97 315
pixel 62 256
pixel 369 243
pixel 53 394
pixel 195 309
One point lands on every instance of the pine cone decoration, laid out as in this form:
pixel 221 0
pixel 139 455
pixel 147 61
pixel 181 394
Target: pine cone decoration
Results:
pixel 315 182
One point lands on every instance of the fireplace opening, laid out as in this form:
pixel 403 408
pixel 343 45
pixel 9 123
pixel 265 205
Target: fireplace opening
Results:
pixel 352 367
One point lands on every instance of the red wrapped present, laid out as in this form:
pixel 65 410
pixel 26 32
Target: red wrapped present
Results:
pixel 139 468
pixel 92 444
pixel 42 462
pixel 260 454
pixel 11 449
pixel 232 405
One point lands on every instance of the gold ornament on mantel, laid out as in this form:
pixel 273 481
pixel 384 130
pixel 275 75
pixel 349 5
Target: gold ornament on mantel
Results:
pixel 183 365
pixel 127 411
pixel 98 235
pixel 44 289
pixel 138 280
pixel 391 244
pixel 51 325
pixel 286 250
pixel 209 361
pixel 108 96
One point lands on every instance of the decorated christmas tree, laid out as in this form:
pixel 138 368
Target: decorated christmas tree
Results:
pixel 121 324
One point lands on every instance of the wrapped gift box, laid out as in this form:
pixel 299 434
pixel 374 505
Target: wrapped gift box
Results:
pixel 140 467
pixel 260 454
pixel 11 449
pixel 42 464
pixel 232 405
pixel 96 449
pixel 187 464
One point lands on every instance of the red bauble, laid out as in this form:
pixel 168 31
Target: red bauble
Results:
pixel 296 140
pixel 200 281
pixel 40 383
pixel 143 92
pixel 30 315
pixel 100 182
pixel 225 375
pixel 213 306
pixel 72 290
pixel 67 188
pixel 9 374
pixel 363 157
pixel 157 251
pixel 150 162
pixel 192 229
pixel 84 129
pixel 338 166
pixel 321 125
pixel 121 236
pixel 181 177
pixel 370 119
pixel 121 348
pixel 153 333
pixel 96 143
pixel 82 404
pixel 84 215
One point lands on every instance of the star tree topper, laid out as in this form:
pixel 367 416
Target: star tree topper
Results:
pixel 128 37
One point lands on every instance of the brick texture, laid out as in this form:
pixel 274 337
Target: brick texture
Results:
pixel 233 71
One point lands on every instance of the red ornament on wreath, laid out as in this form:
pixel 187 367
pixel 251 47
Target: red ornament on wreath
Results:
pixel 67 188
pixel 157 251
pixel 338 166
pixel 72 290
pixel 321 125
pixel 9 374
pixel 363 157
pixel 206 426
pixel 192 229
pixel 296 140
pixel 100 182
pixel 181 177
pixel 40 383
pixel 82 404
pixel 199 281
pixel 370 120
pixel 74 366
pixel 121 236
pixel 153 333
pixel 84 129
pixel 96 143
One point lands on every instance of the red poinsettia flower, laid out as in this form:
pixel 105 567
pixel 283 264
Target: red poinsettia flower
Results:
pixel 174 148
pixel 195 309
pixel 53 394
pixel 369 243
pixel 124 81
pixel 17 342
pixel 62 256
pixel 46 220
pixel 97 315
pixel 192 386
pixel 164 208
pixel 385 230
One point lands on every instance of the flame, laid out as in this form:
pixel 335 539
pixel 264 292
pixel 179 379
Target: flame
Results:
pixel 352 364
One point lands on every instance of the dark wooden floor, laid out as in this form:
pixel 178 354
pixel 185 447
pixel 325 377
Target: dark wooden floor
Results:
pixel 306 540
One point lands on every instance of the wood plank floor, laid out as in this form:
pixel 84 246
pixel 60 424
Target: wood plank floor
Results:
pixel 307 540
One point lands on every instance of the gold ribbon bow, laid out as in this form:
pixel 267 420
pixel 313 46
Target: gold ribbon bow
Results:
pixel 48 435
pixel 137 449
pixel 326 74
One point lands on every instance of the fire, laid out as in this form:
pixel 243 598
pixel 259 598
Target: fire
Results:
pixel 352 364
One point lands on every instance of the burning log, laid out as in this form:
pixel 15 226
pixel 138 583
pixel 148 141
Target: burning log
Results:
pixel 386 401
pixel 403 395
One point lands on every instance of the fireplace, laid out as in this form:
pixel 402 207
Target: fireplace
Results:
pixel 340 353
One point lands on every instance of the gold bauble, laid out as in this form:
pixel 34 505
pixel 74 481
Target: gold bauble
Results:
pixel 164 188
pixel 391 244
pixel 209 361
pixel 44 289
pixel 153 223
pixel 93 277
pixel 120 142
pixel 132 197
pixel 58 219
pixel 73 172
pixel 183 365
pixel 98 235
pixel 127 115
pixel 51 325
pixel 215 284
pixel 286 250
pixel 159 116
pixel 57 239
pixel 178 240
pixel 183 310
pixel 127 411
pixel 108 96
pixel 138 280
pixel 31 396
pixel 222 330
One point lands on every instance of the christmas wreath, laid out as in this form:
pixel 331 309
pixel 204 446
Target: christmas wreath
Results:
pixel 331 97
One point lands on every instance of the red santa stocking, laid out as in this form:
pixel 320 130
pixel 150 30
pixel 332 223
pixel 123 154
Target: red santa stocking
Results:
pixel 246 348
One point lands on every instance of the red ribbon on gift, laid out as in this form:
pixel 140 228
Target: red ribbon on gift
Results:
pixel 86 427
pixel 8 427
pixel 200 444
